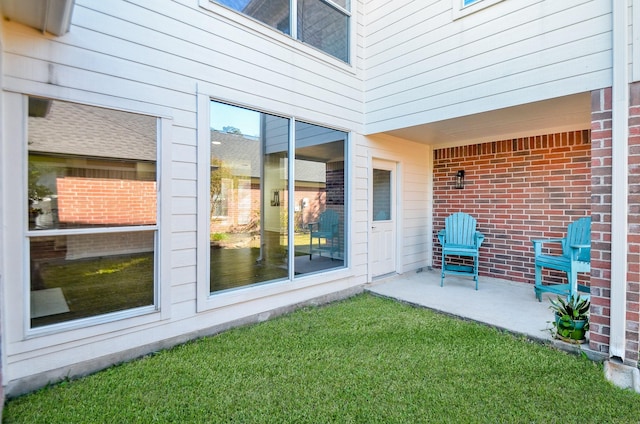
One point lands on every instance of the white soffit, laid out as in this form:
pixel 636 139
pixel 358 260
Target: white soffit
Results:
pixel 53 16
pixel 567 113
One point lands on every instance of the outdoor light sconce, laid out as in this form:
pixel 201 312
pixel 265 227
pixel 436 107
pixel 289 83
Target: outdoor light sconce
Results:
pixel 275 198
pixel 460 179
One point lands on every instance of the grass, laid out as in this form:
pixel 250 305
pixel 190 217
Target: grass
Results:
pixel 363 360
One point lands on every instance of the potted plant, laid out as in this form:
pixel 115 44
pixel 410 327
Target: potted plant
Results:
pixel 571 318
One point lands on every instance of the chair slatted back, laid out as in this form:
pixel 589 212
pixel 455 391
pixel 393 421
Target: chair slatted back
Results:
pixel 578 232
pixel 460 229
pixel 328 221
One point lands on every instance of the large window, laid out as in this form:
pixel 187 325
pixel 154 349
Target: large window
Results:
pixel 284 216
pixel 91 216
pixel 323 24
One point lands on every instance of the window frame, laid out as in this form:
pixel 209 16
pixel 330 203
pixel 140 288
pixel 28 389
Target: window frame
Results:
pixel 459 9
pixel 16 108
pixel 291 40
pixel 207 301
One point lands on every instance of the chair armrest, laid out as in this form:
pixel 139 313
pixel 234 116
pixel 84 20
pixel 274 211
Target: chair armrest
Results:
pixel 580 246
pixel 310 225
pixel 541 241
pixel 537 244
pixel 441 235
pixel 479 238
pixel 576 248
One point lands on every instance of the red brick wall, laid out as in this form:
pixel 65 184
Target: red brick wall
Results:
pixel 601 220
pixel 633 271
pixel 518 190
pixel 97 201
pixel 601 232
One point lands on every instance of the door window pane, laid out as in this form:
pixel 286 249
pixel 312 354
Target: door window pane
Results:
pixel 248 195
pixel 381 195
pixel 319 222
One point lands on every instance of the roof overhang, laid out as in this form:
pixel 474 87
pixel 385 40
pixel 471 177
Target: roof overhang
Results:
pixel 569 113
pixel 52 16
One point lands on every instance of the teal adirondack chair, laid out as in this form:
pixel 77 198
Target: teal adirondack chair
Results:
pixel 326 228
pixel 460 238
pixel 575 258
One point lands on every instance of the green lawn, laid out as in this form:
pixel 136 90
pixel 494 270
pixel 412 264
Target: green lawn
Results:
pixel 363 360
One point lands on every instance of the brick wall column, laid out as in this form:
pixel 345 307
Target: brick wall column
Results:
pixel 601 219
pixel 633 254
pixel 601 230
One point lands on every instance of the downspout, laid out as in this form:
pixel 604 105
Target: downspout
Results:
pixel 619 180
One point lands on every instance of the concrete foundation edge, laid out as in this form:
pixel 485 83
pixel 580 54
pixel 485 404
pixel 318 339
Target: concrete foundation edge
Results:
pixel 32 383
pixel 621 375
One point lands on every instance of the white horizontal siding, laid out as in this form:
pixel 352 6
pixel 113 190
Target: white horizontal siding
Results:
pixel 210 49
pixel 427 66
pixel 634 47
pixel 413 205
pixel 155 57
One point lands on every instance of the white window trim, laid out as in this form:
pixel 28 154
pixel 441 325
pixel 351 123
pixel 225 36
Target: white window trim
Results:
pixel 15 109
pixel 458 10
pixel 291 41
pixel 207 301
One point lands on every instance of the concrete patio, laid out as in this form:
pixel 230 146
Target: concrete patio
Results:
pixel 503 304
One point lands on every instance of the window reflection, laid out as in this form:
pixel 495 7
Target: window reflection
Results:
pixel 323 24
pixel 381 195
pixel 89 166
pixel 319 209
pixel 82 276
pixel 90 169
pixel 248 195
pixel 324 27
pixel 249 198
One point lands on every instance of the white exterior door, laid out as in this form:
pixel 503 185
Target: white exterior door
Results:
pixel 383 228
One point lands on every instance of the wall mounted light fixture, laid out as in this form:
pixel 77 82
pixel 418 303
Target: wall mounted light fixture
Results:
pixel 460 179
pixel 275 198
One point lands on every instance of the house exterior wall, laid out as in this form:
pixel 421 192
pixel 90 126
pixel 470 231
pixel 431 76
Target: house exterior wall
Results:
pixel 518 190
pixel 423 65
pixel 156 60
pixel 414 211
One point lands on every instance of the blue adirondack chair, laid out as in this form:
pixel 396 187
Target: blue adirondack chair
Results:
pixel 326 228
pixel 460 238
pixel 575 258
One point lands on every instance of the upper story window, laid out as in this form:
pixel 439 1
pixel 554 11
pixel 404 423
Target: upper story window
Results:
pixel 462 8
pixel 323 24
